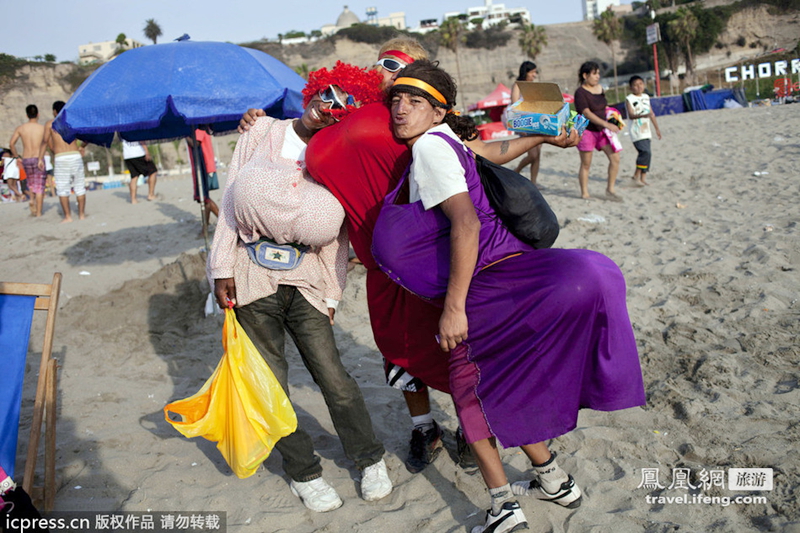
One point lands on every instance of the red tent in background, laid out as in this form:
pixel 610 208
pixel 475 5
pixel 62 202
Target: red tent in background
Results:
pixel 494 103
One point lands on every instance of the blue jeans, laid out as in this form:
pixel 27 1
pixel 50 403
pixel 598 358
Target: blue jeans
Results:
pixel 265 321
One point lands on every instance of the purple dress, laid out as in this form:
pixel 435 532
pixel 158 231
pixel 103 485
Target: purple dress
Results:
pixel 549 331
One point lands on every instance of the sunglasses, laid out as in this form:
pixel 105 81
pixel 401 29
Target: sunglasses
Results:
pixel 329 96
pixel 392 65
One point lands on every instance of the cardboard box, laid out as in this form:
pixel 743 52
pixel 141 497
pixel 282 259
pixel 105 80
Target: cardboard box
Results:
pixel 541 110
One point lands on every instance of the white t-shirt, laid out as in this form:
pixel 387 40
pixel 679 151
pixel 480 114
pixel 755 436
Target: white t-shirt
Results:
pixel 132 150
pixel 640 127
pixel 436 173
pixel 293 147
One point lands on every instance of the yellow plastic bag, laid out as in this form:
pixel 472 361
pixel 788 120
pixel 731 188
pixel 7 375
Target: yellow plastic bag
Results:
pixel 241 407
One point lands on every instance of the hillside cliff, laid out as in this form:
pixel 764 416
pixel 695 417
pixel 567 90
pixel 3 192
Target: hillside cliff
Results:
pixel 568 46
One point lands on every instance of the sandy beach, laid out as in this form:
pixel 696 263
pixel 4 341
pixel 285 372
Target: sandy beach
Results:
pixel 710 252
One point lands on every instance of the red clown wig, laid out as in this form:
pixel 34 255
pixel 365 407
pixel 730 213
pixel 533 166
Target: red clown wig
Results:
pixel 362 84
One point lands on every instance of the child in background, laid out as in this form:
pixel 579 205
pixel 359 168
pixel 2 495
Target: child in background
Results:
pixel 49 185
pixel 10 175
pixel 641 115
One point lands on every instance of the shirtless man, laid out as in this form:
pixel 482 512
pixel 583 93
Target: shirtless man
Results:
pixel 67 167
pixel 31 133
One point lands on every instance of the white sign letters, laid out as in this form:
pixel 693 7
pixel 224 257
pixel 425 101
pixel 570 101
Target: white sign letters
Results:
pixel 762 70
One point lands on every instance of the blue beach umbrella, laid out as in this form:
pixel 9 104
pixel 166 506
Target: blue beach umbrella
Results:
pixel 166 91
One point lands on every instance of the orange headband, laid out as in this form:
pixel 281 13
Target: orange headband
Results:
pixel 407 59
pixel 419 84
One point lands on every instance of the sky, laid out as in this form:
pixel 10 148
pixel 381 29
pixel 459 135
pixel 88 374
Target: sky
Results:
pixel 39 27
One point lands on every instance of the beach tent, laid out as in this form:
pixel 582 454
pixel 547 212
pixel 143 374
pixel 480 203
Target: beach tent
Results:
pixel 715 99
pixel 494 103
pixel 18 301
pixel 500 96
pixel 695 100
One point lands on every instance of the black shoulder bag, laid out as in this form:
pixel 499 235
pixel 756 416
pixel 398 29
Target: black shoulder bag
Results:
pixel 519 204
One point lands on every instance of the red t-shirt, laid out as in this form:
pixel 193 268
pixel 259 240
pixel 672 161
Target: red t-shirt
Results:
pixel 360 161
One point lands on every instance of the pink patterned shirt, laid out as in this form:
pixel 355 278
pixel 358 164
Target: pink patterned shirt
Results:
pixel 270 195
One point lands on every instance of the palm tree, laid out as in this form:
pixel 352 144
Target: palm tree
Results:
pixel 533 40
pixel 152 30
pixel 608 29
pixel 452 34
pixel 684 28
pixel 121 44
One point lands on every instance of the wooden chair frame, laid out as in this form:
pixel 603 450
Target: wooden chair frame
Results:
pixel 44 406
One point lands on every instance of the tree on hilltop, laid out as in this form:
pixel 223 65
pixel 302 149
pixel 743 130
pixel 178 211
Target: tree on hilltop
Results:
pixel 451 33
pixel 684 28
pixel 152 30
pixel 607 29
pixel 121 43
pixel 533 40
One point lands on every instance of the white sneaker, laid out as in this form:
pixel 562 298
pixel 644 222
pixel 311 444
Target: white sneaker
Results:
pixel 375 482
pixel 568 494
pixel 510 518
pixel 316 494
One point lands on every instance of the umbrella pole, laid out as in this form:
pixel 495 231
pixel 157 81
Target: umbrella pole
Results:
pixel 199 179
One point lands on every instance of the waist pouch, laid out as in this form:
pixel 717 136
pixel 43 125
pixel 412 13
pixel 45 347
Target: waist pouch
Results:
pixel 268 254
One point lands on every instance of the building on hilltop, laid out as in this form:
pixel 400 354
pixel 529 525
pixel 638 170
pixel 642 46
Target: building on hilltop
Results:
pixel 103 52
pixel 348 18
pixel 427 25
pixel 592 9
pixel 491 14
pixel 395 20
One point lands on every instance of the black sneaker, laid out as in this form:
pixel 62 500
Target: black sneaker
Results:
pixel 423 448
pixel 567 495
pixel 510 518
pixel 464 457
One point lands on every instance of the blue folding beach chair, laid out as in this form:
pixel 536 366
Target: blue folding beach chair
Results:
pixel 18 302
